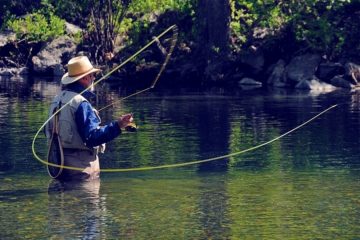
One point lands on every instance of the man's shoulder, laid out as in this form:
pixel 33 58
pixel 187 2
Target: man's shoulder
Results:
pixel 68 97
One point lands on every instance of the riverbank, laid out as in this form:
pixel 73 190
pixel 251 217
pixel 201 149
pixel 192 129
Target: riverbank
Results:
pixel 267 59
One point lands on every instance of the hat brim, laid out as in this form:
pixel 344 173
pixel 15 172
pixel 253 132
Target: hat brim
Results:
pixel 66 79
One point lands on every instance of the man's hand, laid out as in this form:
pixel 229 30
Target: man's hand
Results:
pixel 125 120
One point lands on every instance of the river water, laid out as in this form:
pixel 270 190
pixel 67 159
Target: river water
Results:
pixel 306 185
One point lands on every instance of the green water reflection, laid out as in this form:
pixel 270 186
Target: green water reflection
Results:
pixel 304 186
pixel 180 205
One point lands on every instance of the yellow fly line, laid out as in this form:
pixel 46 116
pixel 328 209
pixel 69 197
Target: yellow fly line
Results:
pixel 174 29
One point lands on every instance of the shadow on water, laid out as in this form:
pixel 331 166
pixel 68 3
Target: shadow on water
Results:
pixel 213 139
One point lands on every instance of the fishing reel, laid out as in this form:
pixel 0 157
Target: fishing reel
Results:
pixel 131 127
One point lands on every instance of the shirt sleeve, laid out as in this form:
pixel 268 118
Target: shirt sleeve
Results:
pixel 89 128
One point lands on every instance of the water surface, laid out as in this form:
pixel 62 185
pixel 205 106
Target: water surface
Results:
pixel 304 186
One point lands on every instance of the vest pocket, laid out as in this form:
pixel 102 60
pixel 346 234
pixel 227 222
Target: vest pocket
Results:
pixel 66 132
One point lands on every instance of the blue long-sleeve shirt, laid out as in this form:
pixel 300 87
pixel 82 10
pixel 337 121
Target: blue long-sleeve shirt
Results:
pixel 88 123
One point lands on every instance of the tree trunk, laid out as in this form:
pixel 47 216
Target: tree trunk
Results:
pixel 213 21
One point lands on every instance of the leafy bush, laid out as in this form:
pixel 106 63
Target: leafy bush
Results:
pixel 150 6
pixel 143 9
pixel 322 25
pixel 246 15
pixel 317 23
pixel 37 27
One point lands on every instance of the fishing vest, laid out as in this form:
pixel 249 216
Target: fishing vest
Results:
pixel 68 132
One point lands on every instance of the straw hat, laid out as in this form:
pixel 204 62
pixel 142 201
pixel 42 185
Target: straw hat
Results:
pixel 78 67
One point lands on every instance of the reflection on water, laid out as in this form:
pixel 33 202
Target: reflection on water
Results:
pixel 304 186
pixel 84 204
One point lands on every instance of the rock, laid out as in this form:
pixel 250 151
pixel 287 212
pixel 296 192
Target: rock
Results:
pixel 302 67
pixel 6 37
pixel 72 29
pixel 315 85
pixel 7 71
pixel 59 70
pixel 254 58
pixel 50 58
pixel 238 76
pixel 326 71
pixel 249 84
pixel 249 81
pixel 215 71
pixel 262 33
pixel 152 17
pixel 14 71
pixel 280 85
pixel 340 81
pixel 276 77
pixel 23 71
pixel 352 71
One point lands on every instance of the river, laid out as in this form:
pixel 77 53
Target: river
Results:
pixel 305 185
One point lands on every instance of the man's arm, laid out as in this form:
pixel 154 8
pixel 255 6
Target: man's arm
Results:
pixel 89 127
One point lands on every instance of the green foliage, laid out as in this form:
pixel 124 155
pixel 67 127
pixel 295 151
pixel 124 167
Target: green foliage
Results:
pixel 143 10
pixel 321 25
pixel 150 6
pixel 246 15
pixel 37 27
pixel 317 23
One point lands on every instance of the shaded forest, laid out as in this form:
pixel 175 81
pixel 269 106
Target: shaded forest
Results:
pixel 221 42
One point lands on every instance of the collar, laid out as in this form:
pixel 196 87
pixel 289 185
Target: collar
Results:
pixel 78 88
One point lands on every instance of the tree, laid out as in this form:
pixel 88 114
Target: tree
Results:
pixel 213 26
pixel 104 27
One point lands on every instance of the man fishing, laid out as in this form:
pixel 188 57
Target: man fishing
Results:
pixel 78 124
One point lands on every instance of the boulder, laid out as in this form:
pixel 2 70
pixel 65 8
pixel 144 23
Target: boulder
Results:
pixel 6 37
pixel 262 32
pixel 326 71
pixel 72 29
pixel 315 85
pixel 215 71
pixel 14 71
pixel 276 77
pixel 352 71
pixel 302 67
pixel 49 60
pixel 340 81
pixel 249 81
pixel 254 59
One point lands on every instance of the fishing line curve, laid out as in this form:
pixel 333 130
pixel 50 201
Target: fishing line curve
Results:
pixel 208 159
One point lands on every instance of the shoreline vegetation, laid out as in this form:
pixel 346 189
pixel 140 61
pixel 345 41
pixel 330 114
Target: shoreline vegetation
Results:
pixel 307 44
